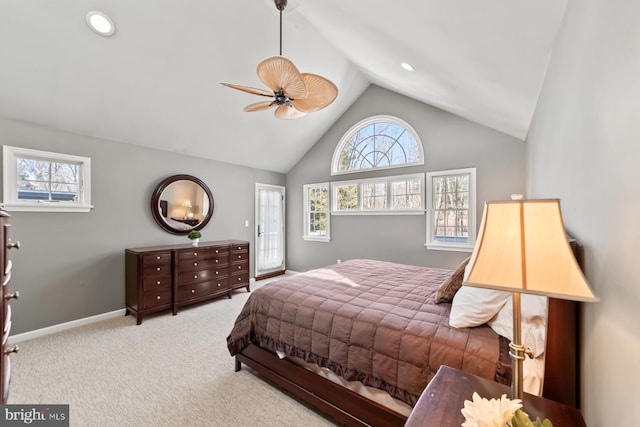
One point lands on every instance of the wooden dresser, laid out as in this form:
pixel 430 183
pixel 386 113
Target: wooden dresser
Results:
pixel 167 277
pixel 5 311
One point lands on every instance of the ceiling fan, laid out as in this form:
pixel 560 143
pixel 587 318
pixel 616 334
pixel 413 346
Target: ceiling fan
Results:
pixel 293 94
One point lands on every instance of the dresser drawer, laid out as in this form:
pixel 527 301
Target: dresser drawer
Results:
pixel 201 263
pixel 155 299
pixel 6 330
pixel 196 290
pixel 6 296
pixel 6 375
pixel 155 283
pixel 239 256
pixel 160 270
pixel 157 258
pixel 239 266
pixel 202 275
pixel 7 272
pixel 200 253
pixel 238 279
pixel 240 247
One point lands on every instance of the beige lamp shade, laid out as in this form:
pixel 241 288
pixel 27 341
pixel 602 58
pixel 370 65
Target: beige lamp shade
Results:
pixel 522 247
pixel 187 204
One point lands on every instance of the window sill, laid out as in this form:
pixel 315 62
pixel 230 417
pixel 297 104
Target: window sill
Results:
pixel 316 239
pixel 45 207
pixel 385 212
pixel 453 248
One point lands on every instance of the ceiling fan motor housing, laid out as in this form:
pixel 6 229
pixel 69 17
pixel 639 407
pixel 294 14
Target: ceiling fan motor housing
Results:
pixel 281 4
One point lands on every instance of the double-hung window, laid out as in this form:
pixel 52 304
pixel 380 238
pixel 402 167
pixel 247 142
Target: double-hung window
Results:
pixel 316 212
pixel 42 181
pixel 451 198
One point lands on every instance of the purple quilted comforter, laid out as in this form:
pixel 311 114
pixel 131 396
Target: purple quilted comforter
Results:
pixel 371 321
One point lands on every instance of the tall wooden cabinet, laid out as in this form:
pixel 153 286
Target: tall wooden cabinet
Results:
pixel 159 278
pixel 5 311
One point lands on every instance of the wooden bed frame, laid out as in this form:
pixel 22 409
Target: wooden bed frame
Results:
pixel 350 409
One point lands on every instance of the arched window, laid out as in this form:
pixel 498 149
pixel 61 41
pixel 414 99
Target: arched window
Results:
pixel 378 142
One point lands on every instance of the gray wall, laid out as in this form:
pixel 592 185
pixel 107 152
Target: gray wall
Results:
pixel 71 265
pixel 584 148
pixel 449 141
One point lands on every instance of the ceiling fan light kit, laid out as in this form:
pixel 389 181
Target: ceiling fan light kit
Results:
pixel 293 94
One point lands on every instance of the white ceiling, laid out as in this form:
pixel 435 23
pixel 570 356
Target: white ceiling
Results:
pixel 155 82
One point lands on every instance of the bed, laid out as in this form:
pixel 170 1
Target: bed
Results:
pixel 377 325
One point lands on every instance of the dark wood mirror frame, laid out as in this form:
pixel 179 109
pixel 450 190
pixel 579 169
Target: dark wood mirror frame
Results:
pixel 160 207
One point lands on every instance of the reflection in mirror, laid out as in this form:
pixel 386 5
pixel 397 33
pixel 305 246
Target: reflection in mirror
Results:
pixel 182 203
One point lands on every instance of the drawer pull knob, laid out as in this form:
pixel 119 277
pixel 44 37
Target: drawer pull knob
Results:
pixel 193 291
pixel 216 272
pixel 218 284
pixel 195 254
pixel 239 279
pixel 239 267
pixel 158 297
pixel 157 282
pixel 13 245
pixel 195 264
pixel 216 261
pixel 157 268
pixel 217 251
pixel 158 257
pixel 195 276
pixel 14 295
pixel 239 247
pixel 13 349
pixel 239 256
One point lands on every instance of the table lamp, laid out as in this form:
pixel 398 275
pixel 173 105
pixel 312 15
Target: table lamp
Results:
pixel 186 205
pixel 522 247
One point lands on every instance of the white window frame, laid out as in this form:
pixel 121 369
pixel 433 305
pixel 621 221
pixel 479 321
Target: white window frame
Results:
pixel 452 246
pixel 390 210
pixel 306 234
pixel 11 202
pixel 335 161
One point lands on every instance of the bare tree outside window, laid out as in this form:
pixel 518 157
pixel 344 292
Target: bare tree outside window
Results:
pixel 46 180
pixel 376 143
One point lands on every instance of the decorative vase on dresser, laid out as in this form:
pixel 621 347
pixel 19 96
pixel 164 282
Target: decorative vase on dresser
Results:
pixel 5 311
pixel 159 278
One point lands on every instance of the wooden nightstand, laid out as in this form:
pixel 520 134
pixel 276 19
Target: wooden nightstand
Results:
pixel 441 402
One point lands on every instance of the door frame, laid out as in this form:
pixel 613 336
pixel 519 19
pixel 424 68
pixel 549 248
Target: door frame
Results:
pixel 282 269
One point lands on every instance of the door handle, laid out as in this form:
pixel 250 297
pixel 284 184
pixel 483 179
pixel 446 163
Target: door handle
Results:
pixel 259 232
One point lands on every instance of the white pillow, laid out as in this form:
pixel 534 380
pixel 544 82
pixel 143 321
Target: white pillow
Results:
pixel 533 313
pixel 475 306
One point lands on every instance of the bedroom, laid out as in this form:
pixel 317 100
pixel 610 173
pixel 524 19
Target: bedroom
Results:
pixel 580 148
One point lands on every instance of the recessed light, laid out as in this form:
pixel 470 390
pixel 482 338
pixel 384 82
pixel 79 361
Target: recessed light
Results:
pixel 407 67
pixel 100 23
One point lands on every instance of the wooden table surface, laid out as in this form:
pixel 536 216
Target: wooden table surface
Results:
pixel 441 402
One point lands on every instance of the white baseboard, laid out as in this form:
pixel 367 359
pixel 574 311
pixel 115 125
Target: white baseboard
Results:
pixel 64 326
pixel 70 325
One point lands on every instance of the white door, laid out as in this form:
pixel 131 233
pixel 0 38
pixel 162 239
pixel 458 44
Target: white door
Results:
pixel 269 230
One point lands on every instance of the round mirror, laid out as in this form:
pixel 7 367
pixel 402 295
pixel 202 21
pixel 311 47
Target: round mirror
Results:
pixel 182 203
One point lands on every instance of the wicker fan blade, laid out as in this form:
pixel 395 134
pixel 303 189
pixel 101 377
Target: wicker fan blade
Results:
pixel 321 92
pixel 287 113
pixel 259 106
pixel 248 89
pixel 277 72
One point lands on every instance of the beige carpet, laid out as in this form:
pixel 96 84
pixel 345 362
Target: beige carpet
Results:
pixel 169 371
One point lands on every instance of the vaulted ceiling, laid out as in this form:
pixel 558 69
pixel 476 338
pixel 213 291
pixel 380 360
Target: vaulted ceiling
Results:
pixel 155 82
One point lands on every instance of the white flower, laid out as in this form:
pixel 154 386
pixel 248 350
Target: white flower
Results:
pixel 489 413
